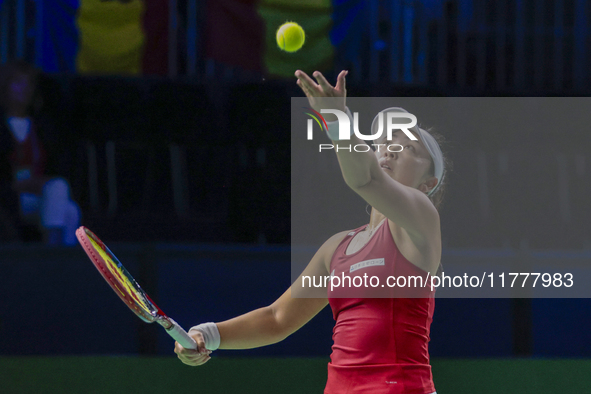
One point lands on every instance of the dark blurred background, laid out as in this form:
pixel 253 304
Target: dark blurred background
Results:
pixel 173 122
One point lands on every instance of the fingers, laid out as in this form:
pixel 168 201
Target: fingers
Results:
pixel 199 340
pixel 198 337
pixel 304 88
pixel 341 82
pixel 324 85
pixel 192 357
pixel 306 81
pixel 195 360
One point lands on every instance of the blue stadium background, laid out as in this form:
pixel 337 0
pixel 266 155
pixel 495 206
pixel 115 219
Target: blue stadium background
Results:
pixel 202 209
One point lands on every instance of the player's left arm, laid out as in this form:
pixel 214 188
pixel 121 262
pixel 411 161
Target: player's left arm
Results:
pixel 407 207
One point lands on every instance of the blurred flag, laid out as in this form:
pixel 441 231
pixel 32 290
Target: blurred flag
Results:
pixel 111 36
pixel 242 33
pixel 105 36
pixel 235 33
pixel 131 36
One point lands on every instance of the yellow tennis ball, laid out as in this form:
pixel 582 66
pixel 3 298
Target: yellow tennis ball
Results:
pixel 290 36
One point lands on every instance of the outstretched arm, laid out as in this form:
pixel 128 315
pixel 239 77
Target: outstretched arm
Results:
pixel 407 207
pixel 270 324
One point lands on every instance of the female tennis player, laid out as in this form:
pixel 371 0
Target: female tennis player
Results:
pixel 380 344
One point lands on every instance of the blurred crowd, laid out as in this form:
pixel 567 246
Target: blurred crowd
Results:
pixel 35 202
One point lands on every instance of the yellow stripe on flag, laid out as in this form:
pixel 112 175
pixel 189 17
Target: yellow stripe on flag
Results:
pixel 111 37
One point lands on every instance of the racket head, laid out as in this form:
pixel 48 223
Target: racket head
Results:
pixel 120 280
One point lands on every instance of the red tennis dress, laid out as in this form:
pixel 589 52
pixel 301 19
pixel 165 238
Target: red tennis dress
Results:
pixel 380 344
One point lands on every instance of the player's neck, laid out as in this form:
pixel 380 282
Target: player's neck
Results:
pixel 375 219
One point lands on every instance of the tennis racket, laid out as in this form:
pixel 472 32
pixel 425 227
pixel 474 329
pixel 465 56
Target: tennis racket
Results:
pixel 127 288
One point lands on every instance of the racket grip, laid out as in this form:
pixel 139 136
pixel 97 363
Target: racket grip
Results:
pixel 181 336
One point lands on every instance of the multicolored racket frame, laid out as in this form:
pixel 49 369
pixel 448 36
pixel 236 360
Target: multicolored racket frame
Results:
pixel 127 288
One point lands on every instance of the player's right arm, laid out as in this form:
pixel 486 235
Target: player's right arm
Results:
pixel 272 323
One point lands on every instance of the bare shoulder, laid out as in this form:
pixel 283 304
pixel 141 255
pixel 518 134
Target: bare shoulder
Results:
pixel 318 267
pixel 329 247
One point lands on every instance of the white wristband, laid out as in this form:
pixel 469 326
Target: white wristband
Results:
pixel 210 333
pixel 333 127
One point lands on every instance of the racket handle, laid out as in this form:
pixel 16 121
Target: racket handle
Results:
pixel 181 336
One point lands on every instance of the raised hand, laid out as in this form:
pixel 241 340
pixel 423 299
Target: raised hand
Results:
pixel 320 93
